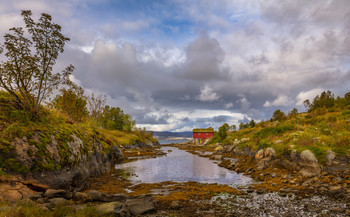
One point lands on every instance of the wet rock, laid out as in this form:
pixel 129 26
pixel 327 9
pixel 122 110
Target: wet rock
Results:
pixel 309 164
pixel 102 197
pixel 136 206
pixel 108 208
pixel 50 193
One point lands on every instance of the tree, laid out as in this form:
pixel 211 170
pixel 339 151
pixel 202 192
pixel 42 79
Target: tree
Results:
pixel 222 133
pixel 293 112
pixel 112 118
pixel 128 123
pixel 27 73
pixel 96 105
pixel 72 102
pixel 325 100
pixel 278 115
pixel 347 98
pixel 233 127
pixel 252 123
pixel 243 126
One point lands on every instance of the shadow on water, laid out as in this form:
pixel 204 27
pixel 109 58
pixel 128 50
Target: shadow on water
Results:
pixel 179 166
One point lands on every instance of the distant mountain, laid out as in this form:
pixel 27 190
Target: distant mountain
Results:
pixel 166 134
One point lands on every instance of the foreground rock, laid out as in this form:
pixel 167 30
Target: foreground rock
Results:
pixel 136 206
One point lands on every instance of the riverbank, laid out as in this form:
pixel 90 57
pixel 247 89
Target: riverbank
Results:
pixel 274 193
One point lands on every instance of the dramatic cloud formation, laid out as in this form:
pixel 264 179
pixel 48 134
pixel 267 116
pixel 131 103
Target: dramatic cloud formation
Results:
pixel 176 64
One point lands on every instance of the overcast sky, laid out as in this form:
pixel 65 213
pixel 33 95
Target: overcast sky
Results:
pixel 176 65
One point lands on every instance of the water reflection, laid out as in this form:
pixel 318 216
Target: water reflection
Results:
pixel 180 166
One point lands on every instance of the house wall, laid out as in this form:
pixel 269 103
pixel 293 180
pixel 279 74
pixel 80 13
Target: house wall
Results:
pixel 202 135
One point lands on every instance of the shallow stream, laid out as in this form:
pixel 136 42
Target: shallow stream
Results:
pixel 179 166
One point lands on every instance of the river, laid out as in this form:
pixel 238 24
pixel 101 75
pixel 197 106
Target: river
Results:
pixel 180 166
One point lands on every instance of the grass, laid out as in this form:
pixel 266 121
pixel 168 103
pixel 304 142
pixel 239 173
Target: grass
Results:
pixel 316 131
pixel 27 208
pixel 49 126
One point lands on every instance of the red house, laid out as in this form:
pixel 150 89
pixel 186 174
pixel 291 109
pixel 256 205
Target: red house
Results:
pixel 202 134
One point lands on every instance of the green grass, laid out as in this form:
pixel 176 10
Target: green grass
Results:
pixel 27 208
pixel 317 131
pixel 38 133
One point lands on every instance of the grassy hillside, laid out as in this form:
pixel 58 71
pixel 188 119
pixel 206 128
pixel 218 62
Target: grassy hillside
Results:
pixel 318 131
pixel 48 126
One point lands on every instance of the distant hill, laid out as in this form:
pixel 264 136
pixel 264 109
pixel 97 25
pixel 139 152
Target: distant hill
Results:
pixel 167 134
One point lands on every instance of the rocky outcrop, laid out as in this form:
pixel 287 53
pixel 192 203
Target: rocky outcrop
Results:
pixel 139 144
pixel 62 165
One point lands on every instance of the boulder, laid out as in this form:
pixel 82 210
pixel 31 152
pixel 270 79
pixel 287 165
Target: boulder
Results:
pixel 58 201
pixel 108 208
pixel 175 204
pixel 79 196
pixel 50 193
pixel 136 206
pixel 309 164
pixel 270 152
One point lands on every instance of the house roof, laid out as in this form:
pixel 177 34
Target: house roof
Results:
pixel 203 130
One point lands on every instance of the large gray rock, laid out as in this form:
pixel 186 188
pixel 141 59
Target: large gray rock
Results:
pixel 309 164
pixel 136 206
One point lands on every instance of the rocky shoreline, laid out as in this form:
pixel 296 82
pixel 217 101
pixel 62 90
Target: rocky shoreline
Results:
pixel 277 191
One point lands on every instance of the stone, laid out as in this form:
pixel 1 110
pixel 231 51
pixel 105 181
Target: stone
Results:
pixel 50 193
pixel 216 157
pixel 136 206
pixel 270 152
pixel 12 195
pixel 259 155
pixel 329 157
pixel 108 208
pixel 219 148
pixel 22 149
pixel 102 197
pixel 79 196
pixel 278 142
pixel 175 204
pixel 58 201
pixel 309 164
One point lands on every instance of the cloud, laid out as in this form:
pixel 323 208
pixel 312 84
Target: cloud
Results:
pixel 281 100
pixel 304 95
pixel 208 95
pixel 176 65
pixel 203 58
pixel 228 105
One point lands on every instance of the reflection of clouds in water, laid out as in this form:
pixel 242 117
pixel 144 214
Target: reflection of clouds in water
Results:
pixel 181 166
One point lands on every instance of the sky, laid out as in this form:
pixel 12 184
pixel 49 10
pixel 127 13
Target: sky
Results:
pixel 175 65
